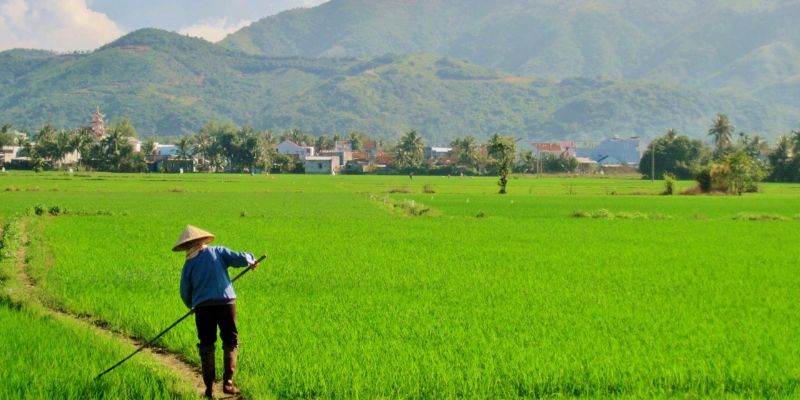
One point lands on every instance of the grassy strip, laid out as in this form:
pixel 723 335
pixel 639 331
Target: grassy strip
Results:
pixel 605 214
pixel 407 208
pixel 74 352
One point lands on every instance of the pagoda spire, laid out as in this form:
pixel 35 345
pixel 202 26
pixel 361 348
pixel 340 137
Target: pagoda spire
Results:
pixel 98 124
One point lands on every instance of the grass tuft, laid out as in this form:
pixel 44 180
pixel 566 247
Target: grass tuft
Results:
pixel 605 214
pixel 759 217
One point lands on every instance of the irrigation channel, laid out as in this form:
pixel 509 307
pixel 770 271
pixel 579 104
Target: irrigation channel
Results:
pixel 175 362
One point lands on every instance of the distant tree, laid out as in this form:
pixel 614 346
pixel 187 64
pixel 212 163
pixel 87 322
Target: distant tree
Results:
pixel 6 135
pixel 410 150
pixel 721 132
pixel 503 150
pixel 38 163
pixel 323 142
pixel 185 148
pixel 466 151
pixel 528 162
pixel 783 160
pixel 742 172
pixel 149 149
pixel 82 141
pixel 115 148
pixel 356 140
pixel 675 154
pixel 125 128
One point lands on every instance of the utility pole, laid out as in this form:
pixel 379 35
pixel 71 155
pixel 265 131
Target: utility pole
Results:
pixel 653 157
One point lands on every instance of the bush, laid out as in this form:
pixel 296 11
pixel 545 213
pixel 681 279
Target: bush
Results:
pixel 703 179
pixel 669 184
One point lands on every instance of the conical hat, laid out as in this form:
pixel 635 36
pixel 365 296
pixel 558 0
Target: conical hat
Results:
pixel 190 234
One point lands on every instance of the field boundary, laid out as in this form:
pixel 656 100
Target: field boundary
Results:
pixel 27 294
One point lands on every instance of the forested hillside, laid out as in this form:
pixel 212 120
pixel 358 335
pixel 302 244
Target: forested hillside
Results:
pixel 170 84
pixel 741 44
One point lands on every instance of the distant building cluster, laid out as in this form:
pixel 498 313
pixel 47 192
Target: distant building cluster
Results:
pixel 614 152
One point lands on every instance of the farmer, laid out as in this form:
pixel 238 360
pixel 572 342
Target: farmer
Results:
pixel 206 288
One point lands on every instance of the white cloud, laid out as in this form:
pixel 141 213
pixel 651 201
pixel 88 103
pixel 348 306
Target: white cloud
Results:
pixel 214 29
pixel 60 25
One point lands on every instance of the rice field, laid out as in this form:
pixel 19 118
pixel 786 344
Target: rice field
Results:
pixel 386 287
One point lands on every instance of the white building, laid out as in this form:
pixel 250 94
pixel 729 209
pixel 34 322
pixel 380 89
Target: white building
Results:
pixel 438 153
pixel 9 153
pixel 322 165
pixel 290 148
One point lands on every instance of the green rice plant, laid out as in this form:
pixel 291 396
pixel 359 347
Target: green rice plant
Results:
pixel 354 301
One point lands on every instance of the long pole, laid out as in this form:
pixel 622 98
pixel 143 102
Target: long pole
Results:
pixel 653 157
pixel 174 324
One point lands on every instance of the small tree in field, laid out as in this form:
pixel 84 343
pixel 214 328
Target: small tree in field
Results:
pixel 503 150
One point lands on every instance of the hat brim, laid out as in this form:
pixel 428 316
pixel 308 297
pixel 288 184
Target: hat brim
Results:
pixel 192 243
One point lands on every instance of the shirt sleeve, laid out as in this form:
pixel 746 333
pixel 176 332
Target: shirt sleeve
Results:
pixel 186 287
pixel 235 259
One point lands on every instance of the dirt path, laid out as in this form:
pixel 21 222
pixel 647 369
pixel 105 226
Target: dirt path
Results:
pixel 172 361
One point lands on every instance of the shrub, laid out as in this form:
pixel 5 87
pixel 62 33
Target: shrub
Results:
pixel 759 217
pixel 669 184
pixel 703 179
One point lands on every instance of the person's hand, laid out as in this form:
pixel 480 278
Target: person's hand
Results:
pixel 192 311
pixel 254 266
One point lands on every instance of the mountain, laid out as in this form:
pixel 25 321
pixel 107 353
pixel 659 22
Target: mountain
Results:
pixel 171 84
pixel 739 44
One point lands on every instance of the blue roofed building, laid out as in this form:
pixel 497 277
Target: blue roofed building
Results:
pixel 616 150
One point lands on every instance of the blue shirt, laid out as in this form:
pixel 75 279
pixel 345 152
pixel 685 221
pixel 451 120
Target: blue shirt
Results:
pixel 205 279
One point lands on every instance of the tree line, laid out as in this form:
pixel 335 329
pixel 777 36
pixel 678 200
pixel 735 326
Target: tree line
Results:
pixel 732 163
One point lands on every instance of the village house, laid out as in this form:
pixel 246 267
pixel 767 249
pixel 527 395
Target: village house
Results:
pixel 344 156
pixel 556 149
pixel 9 153
pixel 438 153
pixel 616 151
pixel 296 151
pixel 322 165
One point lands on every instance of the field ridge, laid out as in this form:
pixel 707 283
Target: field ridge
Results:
pixel 167 359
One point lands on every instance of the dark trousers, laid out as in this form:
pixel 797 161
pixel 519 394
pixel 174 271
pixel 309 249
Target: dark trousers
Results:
pixel 208 318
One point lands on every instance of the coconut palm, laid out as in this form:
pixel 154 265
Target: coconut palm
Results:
pixel 671 133
pixel 465 151
pixel 184 147
pixel 410 150
pixel 722 133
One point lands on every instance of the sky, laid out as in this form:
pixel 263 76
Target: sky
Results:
pixel 70 25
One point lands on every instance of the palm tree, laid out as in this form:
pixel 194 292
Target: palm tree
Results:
pixel 465 151
pixel 722 133
pixel 114 149
pixel 149 149
pixel 671 133
pixel 410 150
pixel 184 147
pixel 356 140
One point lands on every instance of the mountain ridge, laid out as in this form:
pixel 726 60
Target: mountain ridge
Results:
pixel 171 84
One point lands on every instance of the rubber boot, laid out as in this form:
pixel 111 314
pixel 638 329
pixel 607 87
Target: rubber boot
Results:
pixel 209 369
pixel 229 358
